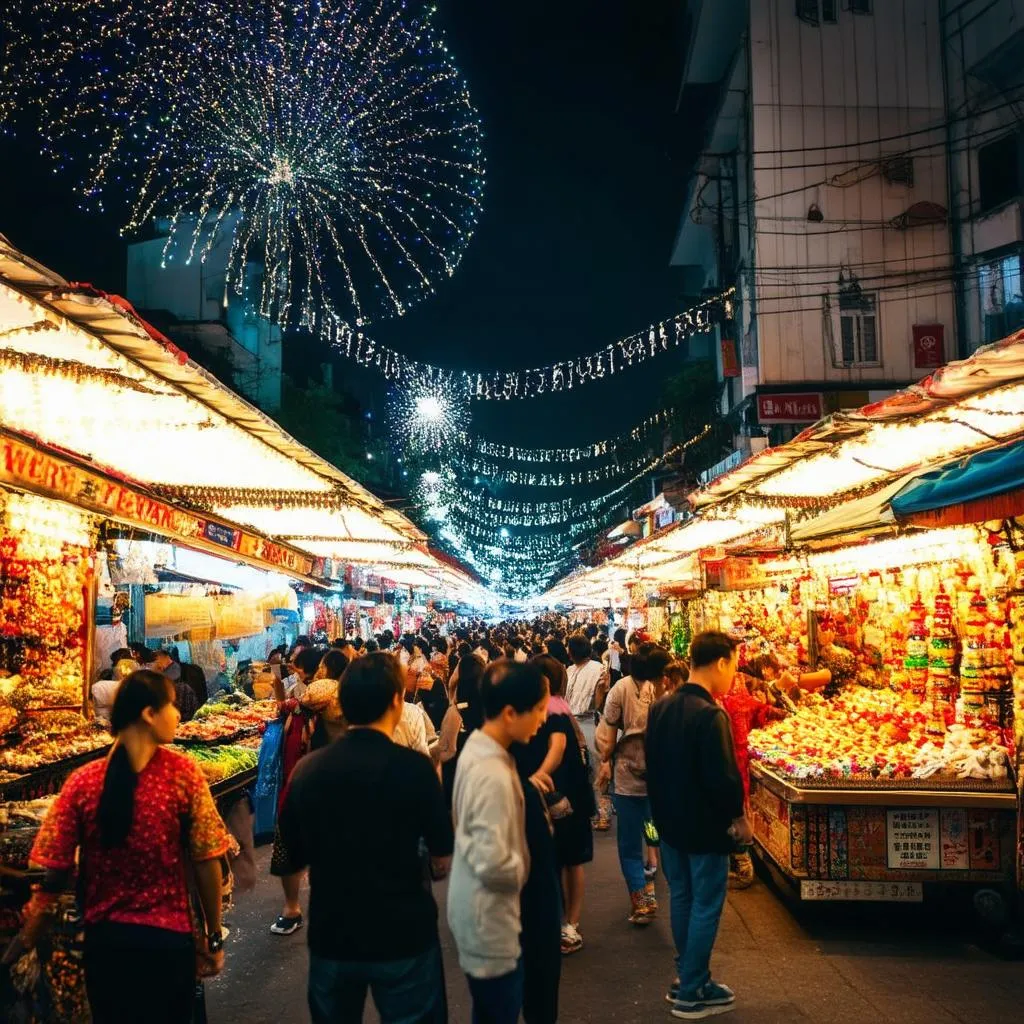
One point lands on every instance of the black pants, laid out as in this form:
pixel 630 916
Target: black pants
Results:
pixel 139 976
pixel 541 941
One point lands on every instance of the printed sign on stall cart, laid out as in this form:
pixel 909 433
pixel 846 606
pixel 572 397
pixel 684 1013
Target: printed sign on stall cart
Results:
pixel 913 838
pixel 883 892
pixel 954 840
pixel 929 346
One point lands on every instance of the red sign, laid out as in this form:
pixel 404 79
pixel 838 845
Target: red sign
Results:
pixel 730 364
pixel 794 408
pixel 929 346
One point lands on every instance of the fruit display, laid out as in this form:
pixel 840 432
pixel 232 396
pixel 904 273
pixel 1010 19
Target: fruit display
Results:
pixel 223 722
pixel 875 734
pixel 221 763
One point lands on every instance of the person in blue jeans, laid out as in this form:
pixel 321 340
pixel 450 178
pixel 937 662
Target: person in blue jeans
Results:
pixel 372 920
pixel 620 742
pixel 696 794
pixel 491 864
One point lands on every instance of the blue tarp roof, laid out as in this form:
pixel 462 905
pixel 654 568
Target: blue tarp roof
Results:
pixel 983 475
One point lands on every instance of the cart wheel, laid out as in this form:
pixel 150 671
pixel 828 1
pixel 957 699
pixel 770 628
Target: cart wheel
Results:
pixel 991 908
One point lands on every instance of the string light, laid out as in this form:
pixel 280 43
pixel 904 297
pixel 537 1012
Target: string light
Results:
pixel 503 385
pixel 514 453
pixel 332 141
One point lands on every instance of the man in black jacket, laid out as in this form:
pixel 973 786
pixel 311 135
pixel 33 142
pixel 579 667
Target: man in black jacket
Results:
pixel 696 795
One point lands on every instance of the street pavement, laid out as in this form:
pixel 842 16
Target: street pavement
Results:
pixel 830 964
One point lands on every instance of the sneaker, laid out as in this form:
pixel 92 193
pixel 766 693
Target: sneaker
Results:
pixel 286 925
pixel 673 992
pixel 572 941
pixel 652 899
pixel 709 1001
pixel 643 909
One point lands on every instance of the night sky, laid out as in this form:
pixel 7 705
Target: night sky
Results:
pixel 586 167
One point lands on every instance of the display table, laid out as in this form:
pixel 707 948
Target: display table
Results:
pixel 885 840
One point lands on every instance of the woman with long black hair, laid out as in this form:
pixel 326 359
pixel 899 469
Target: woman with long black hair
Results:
pixel 136 819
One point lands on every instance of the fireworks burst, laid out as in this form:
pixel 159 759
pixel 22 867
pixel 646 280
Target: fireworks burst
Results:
pixel 428 415
pixel 332 141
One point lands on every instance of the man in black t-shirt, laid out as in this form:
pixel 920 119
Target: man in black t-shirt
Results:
pixel 355 815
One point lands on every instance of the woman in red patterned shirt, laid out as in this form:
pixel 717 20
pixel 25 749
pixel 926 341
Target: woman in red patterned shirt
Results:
pixel 134 819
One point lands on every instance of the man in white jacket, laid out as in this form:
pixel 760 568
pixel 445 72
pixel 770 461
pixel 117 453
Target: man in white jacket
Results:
pixel 491 861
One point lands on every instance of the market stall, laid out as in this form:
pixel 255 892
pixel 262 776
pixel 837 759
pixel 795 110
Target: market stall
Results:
pixel 822 554
pixel 900 777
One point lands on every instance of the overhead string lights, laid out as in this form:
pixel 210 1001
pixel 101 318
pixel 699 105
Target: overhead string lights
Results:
pixel 501 385
pixel 331 143
pixel 515 453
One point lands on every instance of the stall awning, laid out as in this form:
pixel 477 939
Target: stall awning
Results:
pixel 989 485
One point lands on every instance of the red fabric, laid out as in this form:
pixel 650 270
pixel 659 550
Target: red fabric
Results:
pixel 296 745
pixel 143 881
pixel 745 713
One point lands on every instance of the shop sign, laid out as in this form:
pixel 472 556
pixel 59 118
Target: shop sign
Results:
pixel 913 838
pixel 843 586
pixel 274 554
pixel 929 346
pixel 217 533
pixel 24 466
pixel 790 408
pixel 880 892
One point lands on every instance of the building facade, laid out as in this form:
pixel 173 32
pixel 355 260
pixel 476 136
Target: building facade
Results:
pixel 189 301
pixel 984 51
pixel 821 196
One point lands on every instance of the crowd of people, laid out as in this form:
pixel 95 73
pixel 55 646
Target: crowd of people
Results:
pixel 488 756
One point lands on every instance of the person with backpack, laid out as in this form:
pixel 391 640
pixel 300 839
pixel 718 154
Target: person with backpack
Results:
pixel 620 743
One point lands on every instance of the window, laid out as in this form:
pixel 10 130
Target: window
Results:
pixel 999 172
pixel 858 326
pixel 814 12
pixel 1002 305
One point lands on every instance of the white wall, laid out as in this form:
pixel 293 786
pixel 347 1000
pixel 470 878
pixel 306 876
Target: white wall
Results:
pixel 980 113
pixel 826 96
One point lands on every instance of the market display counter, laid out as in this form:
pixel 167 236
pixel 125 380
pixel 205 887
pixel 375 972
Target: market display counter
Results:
pixel 886 840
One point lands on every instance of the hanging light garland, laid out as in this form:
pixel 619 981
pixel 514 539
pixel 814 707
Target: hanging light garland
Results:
pixel 515 453
pixel 502 385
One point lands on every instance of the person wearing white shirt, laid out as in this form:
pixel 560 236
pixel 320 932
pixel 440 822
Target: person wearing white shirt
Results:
pixel 584 676
pixel 584 693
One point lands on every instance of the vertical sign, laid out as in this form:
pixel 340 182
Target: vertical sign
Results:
pixel 929 346
pixel 730 364
pixel 913 838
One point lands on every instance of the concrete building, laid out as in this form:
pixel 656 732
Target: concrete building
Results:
pixel 984 48
pixel 821 195
pixel 187 300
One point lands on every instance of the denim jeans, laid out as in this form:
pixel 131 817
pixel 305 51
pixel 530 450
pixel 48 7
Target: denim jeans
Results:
pixel 697 885
pixel 497 1000
pixel 632 812
pixel 409 991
